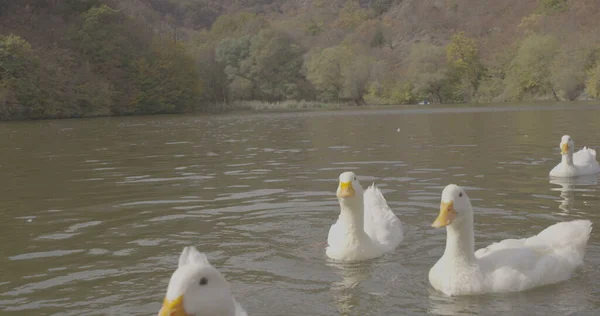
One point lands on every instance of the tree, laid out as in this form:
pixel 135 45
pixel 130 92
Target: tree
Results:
pixel 381 6
pixel 325 70
pixel 428 71
pixel 592 84
pixel 529 72
pixel 212 75
pixel 166 81
pixel 17 67
pixel 352 15
pixel 232 51
pixel 357 74
pixel 463 57
pixel 378 39
pixel 337 72
pixel 274 65
pixel 101 38
pixel 569 69
pixel 549 6
pixel 236 25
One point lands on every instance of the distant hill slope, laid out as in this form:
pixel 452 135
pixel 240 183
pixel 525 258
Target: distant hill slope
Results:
pixel 71 58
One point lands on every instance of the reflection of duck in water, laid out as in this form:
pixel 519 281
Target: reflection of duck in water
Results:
pixel 568 188
pixel 440 304
pixel 346 292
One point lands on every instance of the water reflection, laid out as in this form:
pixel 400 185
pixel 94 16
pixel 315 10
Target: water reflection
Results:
pixel 568 187
pixel 440 304
pixel 347 292
pixel 95 218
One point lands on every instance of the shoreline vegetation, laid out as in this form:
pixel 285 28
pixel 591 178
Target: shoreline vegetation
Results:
pixel 291 105
pixel 94 58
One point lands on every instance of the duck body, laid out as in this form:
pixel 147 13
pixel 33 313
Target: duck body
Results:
pixel 580 163
pixel 509 265
pixel 366 228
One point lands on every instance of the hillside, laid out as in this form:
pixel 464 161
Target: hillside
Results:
pixel 75 58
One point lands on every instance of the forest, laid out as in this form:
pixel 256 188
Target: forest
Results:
pixel 83 58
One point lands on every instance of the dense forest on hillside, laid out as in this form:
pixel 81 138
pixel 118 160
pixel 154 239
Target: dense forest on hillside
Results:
pixel 75 58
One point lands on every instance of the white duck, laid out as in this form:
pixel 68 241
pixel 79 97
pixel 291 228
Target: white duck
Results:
pixel 506 266
pixel 367 227
pixel 197 288
pixel 576 164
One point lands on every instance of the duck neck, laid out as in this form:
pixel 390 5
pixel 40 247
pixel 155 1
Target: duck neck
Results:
pixel 568 158
pixel 460 243
pixel 352 217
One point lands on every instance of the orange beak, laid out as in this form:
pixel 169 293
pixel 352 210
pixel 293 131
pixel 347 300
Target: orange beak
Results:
pixel 564 148
pixel 346 190
pixel 446 216
pixel 173 308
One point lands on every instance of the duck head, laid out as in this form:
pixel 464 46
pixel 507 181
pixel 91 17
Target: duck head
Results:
pixel 455 207
pixel 567 145
pixel 197 288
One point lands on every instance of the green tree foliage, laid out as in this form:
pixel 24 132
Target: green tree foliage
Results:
pixel 212 75
pixel 313 28
pixel 463 57
pixel 356 77
pixel 230 53
pixel 592 84
pixel 326 71
pixel 530 70
pixel 274 65
pixel 235 25
pixel 35 89
pixel 378 39
pixel 166 81
pixel 73 58
pixel 570 68
pixel 428 72
pixel 338 73
pixel 17 63
pixel 352 15
pixel 549 6
pixel 108 64
pixel 381 6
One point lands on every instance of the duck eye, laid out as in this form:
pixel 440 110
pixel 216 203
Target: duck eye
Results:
pixel 460 194
pixel 203 281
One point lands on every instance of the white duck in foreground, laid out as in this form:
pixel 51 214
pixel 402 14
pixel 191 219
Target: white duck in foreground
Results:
pixel 367 227
pixel 506 266
pixel 576 164
pixel 197 288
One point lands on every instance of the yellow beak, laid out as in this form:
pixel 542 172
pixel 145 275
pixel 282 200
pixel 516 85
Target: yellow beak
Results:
pixel 447 215
pixel 173 308
pixel 564 148
pixel 346 190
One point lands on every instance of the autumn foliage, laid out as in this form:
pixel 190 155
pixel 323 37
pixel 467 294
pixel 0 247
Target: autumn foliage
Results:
pixel 67 58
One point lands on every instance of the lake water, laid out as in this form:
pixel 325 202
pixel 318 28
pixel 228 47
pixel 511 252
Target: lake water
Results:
pixel 95 212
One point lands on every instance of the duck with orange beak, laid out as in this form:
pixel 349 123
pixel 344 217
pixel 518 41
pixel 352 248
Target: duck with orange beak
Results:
pixel 197 288
pixel 509 265
pixel 575 164
pixel 367 227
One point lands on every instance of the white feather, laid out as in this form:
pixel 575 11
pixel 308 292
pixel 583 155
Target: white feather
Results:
pixel 381 224
pixel 509 265
pixel 379 231
pixel 210 298
pixel 580 163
